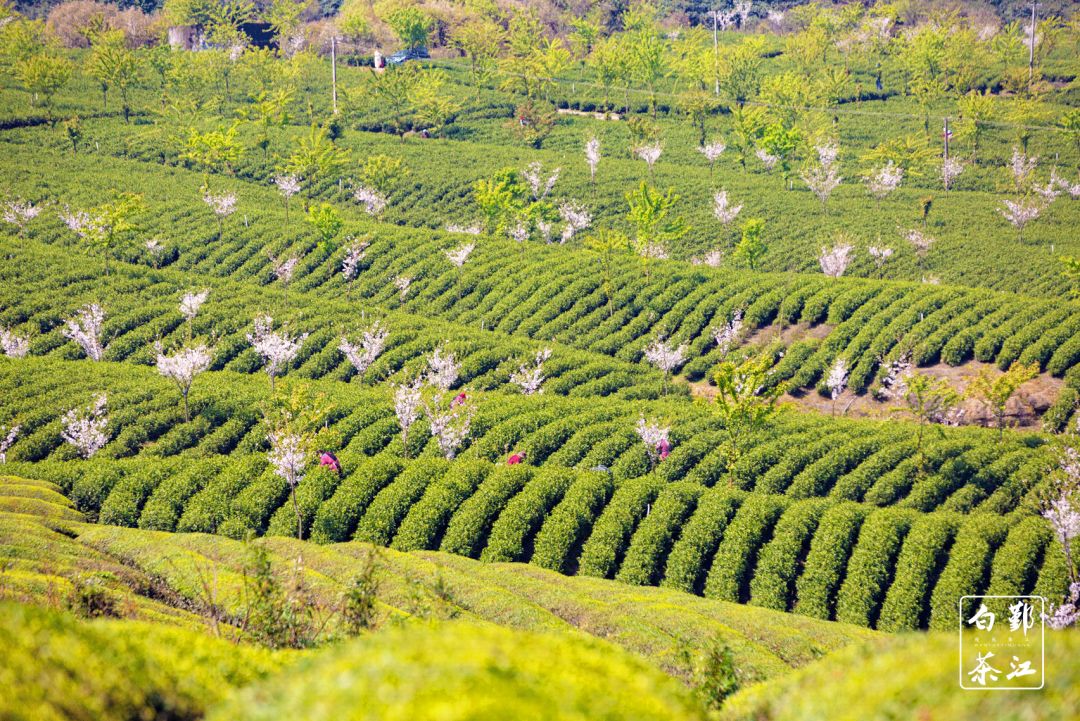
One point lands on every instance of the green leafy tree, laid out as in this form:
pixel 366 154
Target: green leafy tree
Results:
pixel 1071 271
pixel 327 223
pixel 994 390
pixel 781 141
pixel 113 66
pixel 611 247
pixel 501 200
pixel 480 40
pixel 411 25
pixel 112 225
pixel 747 126
pixel 43 75
pixel 746 401
pixel 284 18
pixel 383 172
pixel 655 226
pixel 647 50
pixel 317 157
pixel 751 247
pixel 1070 123
pixel 267 112
pixel 928 400
pixel 213 151
pixel 976 111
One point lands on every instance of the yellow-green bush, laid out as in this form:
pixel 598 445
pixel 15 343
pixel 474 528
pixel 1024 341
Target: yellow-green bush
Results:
pixel 464 671
pixel 55 667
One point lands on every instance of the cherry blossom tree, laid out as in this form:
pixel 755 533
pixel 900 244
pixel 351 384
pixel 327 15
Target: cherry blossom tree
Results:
pixel 276 349
pixel 86 430
pixel 824 177
pixel 665 356
pixel 920 241
pixel 575 218
pixel 407 407
pixel 655 437
pixel 85 329
pixel 19 213
pixel 361 355
pixel 457 256
pixel 1053 188
pixel 881 255
pixel 767 159
pixel 443 369
pixel 182 367
pixel 350 266
pixel 834 261
pixel 951 169
pixel 592 157
pixel 1022 167
pixel 12 345
pixel 884 181
pixel 540 185
pixel 7 440
pixel 650 153
pixel 712 152
pixel 1060 506
pixel 723 209
pixel 283 271
pixel 531 378
pixel 190 304
pixel 449 423
pixel 1019 213
pixel 727 335
pixel 288 186
pixel 837 380
pixel 473 229
pixel 223 206
pixel 713 259
pixel 403 283
pixel 156 251
pixel 372 201
pixel 78 221
pixel 288 457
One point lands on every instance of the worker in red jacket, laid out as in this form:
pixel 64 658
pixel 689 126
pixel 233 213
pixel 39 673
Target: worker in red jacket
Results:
pixel 328 459
pixel 664 449
pixel 459 399
pixel 516 458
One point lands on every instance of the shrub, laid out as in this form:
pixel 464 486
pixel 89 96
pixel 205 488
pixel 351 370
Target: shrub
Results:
pixel 426 521
pixel 336 519
pixel 827 560
pixel 602 554
pixel 512 533
pixel 467 532
pixel 924 554
pixel 967 572
pixel 779 563
pixel 736 556
pixel 380 521
pixel 871 566
pixel 559 541
pixel 693 553
pixel 654 537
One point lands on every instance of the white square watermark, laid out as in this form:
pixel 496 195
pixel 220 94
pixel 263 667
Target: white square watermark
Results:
pixel 1001 643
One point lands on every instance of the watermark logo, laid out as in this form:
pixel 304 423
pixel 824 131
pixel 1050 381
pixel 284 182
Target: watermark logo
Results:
pixel 1001 643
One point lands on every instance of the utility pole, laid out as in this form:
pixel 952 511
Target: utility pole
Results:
pixel 1031 46
pixel 333 68
pixel 946 134
pixel 716 55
